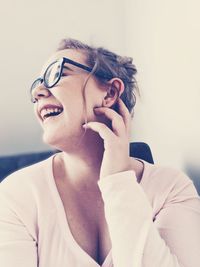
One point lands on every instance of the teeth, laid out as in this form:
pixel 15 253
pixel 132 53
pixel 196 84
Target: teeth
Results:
pixel 48 111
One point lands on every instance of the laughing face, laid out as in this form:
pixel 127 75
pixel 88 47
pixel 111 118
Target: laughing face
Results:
pixel 61 109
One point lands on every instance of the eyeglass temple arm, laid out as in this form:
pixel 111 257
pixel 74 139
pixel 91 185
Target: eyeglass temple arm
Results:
pixel 103 75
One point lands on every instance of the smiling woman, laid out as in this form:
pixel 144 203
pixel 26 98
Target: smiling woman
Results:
pixel 92 204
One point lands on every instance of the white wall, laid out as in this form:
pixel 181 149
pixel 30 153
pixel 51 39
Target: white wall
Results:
pixel 161 36
pixel 165 41
pixel 30 32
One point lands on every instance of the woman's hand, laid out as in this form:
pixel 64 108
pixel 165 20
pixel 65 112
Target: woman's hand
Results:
pixel 116 141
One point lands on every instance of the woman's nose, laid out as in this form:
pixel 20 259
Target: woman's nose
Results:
pixel 40 92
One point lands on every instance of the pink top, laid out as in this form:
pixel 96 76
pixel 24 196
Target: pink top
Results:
pixel 152 224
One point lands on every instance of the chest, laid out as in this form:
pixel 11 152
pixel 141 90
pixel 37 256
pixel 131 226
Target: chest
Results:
pixel 86 220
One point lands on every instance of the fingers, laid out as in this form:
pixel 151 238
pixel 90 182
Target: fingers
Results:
pixel 101 128
pixel 124 113
pixel 119 121
pixel 118 126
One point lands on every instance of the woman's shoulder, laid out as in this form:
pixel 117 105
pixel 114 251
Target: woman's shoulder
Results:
pixel 27 175
pixel 25 198
pixel 168 176
pixel 27 183
pixel 148 173
pixel 164 184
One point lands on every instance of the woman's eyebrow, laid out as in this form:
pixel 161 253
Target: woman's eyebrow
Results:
pixel 66 67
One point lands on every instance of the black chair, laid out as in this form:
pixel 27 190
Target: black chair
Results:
pixel 9 164
pixel 141 150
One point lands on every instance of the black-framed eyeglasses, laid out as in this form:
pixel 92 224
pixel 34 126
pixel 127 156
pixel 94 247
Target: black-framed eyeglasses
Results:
pixel 54 72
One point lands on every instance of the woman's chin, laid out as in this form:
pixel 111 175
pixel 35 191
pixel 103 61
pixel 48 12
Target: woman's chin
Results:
pixel 51 139
pixel 63 144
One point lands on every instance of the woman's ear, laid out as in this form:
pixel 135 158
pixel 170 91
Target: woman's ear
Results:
pixel 115 88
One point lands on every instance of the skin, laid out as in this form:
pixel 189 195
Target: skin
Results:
pixel 89 155
pixel 99 148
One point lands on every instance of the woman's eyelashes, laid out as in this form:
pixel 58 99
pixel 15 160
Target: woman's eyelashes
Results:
pixel 64 74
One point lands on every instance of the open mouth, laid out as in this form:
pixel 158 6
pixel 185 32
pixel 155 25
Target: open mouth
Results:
pixel 50 112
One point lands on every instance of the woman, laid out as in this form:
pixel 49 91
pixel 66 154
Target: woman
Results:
pixel 91 204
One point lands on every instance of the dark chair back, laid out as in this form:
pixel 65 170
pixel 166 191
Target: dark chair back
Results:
pixel 141 150
pixel 9 164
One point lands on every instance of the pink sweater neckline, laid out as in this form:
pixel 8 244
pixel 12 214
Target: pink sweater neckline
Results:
pixel 84 257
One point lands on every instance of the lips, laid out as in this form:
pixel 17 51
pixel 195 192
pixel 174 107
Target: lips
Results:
pixel 49 110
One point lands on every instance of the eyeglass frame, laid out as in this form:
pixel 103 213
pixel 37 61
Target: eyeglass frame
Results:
pixel 65 60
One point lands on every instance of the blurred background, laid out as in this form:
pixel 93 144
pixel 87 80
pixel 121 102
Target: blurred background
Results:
pixel 163 37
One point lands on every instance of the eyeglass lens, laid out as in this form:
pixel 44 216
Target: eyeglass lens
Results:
pixel 52 74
